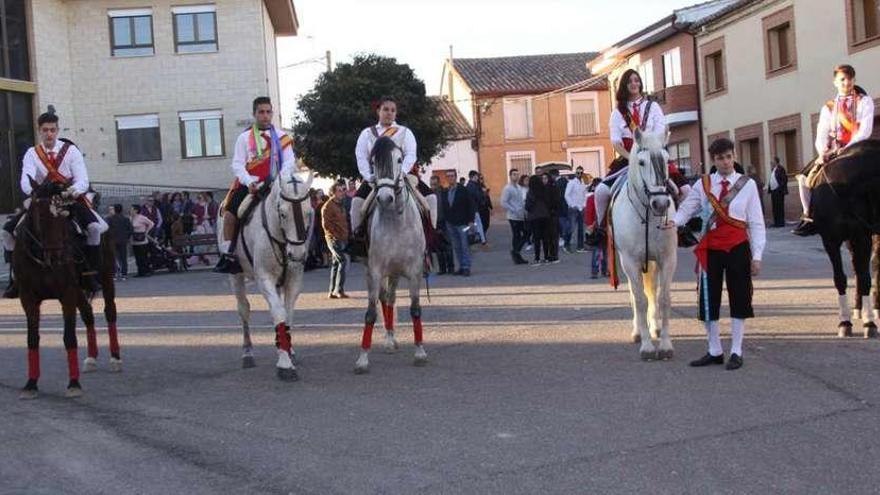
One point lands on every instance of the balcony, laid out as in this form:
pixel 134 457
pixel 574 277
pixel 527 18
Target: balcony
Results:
pixel 679 103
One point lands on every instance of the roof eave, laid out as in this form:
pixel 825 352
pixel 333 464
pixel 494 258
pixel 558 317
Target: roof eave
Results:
pixel 282 14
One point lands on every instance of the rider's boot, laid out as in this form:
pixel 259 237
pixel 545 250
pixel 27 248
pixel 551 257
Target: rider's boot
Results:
pixel 11 291
pixel 228 262
pixel 806 227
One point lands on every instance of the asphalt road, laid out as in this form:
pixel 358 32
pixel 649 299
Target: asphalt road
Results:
pixel 532 387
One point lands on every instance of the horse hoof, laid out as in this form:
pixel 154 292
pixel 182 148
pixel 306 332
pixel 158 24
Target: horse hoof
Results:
pixel 870 330
pixel 115 365
pixel 421 357
pixel 248 362
pixel 90 364
pixel 392 348
pixel 361 369
pixel 73 392
pixel 28 394
pixel 636 339
pixel 844 329
pixel 665 355
pixel 648 355
pixel 287 374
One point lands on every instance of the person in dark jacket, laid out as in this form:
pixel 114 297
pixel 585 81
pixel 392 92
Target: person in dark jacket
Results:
pixel 442 246
pixel 778 188
pixel 540 215
pixel 459 211
pixel 120 232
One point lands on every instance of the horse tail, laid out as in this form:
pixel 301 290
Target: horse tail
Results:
pixel 648 285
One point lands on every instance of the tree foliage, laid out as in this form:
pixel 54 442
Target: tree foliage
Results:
pixel 341 105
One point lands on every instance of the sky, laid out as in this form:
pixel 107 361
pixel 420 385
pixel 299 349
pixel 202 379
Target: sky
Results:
pixel 419 33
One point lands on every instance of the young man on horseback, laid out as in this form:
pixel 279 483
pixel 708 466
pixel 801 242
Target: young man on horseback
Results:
pixel 261 153
pixel 634 111
pixel 843 121
pixel 406 142
pixel 60 161
pixel 731 248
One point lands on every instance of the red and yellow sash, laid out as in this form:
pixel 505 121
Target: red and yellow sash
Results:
pixel 848 124
pixel 728 234
pixel 51 165
pixel 260 166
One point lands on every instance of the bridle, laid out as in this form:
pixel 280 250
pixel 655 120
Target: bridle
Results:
pixel 395 184
pixel 647 194
pixel 45 256
pixel 302 228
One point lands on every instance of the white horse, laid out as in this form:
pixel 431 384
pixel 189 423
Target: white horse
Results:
pixel 272 250
pixel 397 249
pixel 647 251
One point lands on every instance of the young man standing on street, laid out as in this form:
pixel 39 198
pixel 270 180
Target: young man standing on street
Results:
pixel 513 203
pixel 731 248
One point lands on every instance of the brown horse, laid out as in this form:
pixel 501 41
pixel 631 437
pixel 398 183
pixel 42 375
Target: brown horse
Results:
pixel 45 262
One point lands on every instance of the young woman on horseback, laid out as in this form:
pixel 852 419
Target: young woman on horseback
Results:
pixel 634 111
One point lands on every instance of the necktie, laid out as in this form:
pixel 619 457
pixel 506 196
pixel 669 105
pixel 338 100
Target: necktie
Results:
pixel 52 158
pixel 637 119
pixel 724 189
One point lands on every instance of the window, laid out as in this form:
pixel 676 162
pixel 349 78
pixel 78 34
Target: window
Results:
pixel 195 29
pixel 524 161
pixel 131 32
pixel 672 68
pixel 137 138
pixel 865 19
pixel 583 119
pixel 518 118
pixel 646 72
pixel 591 159
pixel 780 53
pixel 14 42
pixel 201 134
pixel 715 72
pixel 786 150
pixel 750 154
pixel 680 153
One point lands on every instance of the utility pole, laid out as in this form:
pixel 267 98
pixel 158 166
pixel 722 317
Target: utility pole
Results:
pixel 329 64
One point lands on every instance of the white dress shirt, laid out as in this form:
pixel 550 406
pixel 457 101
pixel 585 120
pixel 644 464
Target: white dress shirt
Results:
pixel 576 194
pixel 656 122
pixel 828 123
pixel 746 206
pixel 73 167
pixel 403 137
pixel 243 154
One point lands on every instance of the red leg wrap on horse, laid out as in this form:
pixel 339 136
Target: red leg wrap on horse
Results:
pixel 417 330
pixel 92 339
pixel 114 339
pixel 72 364
pixel 388 316
pixel 33 364
pixel 367 340
pixel 282 337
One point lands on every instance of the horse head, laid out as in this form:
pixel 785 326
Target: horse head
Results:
pixel 46 224
pixel 295 213
pixel 649 169
pixel 387 158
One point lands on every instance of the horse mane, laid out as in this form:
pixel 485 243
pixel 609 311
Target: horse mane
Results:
pixel 48 189
pixel 381 157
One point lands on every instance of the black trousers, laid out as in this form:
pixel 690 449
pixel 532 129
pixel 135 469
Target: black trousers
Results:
pixel 541 236
pixel 553 238
pixel 140 257
pixel 518 228
pixel 777 200
pixel 121 253
pixel 736 268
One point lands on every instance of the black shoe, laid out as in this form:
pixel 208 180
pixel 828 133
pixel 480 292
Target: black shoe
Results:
pixel 735 362
pixel 805 228
pixel 518 259
pixel 11 291
pixel 228 264
pixel 707 360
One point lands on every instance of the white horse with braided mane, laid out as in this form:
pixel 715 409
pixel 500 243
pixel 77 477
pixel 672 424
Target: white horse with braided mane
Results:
pixel 647 250
pixel 397 249
pixel 272 250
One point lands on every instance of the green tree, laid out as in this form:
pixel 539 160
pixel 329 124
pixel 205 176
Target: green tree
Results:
pixel 341 105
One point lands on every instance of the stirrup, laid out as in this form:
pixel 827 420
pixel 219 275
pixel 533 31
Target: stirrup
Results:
pixel 228 264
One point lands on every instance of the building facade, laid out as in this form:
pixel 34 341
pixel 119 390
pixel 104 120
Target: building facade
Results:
pixel 459 156
pixel 157 92
pixel 531 109
pixel 765 69
pixel 664 54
